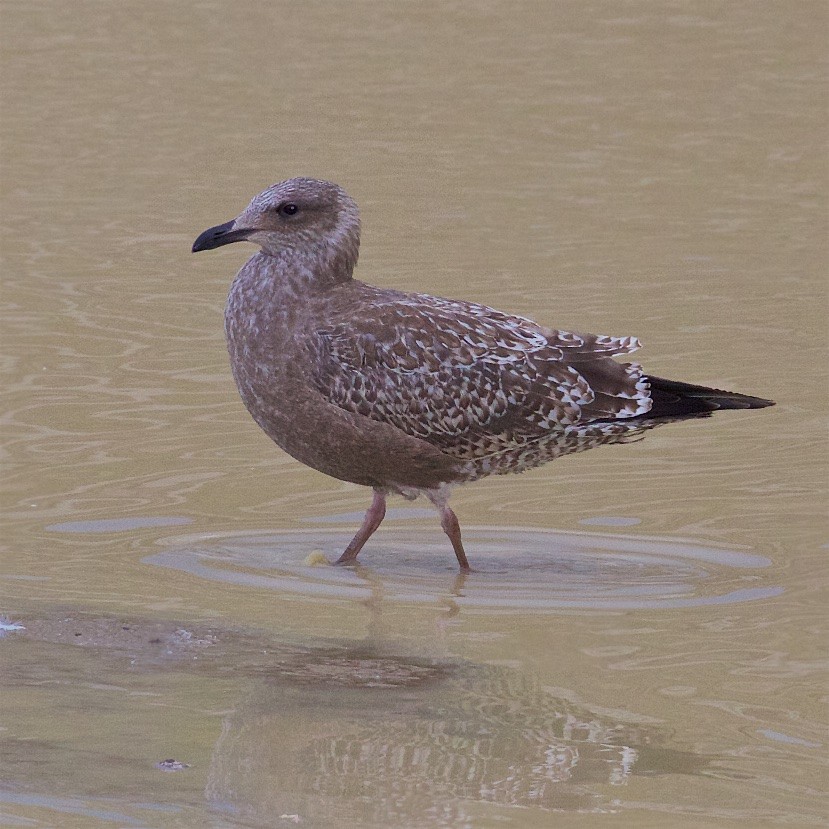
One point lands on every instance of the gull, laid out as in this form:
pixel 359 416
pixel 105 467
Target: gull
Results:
pixel 409 393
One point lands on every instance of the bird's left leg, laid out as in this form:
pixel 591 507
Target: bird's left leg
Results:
pixel 450 525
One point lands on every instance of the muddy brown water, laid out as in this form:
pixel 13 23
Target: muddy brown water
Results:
pixel 644 642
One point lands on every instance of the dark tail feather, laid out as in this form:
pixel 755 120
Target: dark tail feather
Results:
pixel 674 399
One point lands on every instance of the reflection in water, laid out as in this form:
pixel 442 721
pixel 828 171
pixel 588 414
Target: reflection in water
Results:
pixel 517 568
pixel 485 735
pixel 349 735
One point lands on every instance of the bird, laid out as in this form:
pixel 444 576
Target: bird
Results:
pixel 408 393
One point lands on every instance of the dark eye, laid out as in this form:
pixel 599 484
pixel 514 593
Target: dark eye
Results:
pixel 288 209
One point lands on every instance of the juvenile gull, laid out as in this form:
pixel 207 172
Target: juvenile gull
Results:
pixel 410 393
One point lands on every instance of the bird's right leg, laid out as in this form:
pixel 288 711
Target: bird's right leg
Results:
pixel 374 517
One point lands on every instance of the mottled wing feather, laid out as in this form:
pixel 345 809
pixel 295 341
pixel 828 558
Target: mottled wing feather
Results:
pixel 469 379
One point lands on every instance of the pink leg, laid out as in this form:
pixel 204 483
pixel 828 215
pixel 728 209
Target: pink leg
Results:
pixel 374 517
pixel 449 522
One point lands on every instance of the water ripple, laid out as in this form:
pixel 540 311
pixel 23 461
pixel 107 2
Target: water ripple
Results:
pixel 516 568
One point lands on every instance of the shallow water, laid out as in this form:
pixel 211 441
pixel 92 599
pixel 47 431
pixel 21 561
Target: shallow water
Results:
pixel 643 642
pixel 516 569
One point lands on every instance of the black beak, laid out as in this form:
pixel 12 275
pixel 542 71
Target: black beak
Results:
pixel 215 237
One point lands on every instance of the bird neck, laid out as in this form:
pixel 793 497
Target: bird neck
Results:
pixel 271 290
pixel 307 270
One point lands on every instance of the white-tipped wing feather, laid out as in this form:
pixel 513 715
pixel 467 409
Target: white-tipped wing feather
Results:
pixel 467 378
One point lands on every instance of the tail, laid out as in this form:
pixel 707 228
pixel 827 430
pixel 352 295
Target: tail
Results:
pixel 674 399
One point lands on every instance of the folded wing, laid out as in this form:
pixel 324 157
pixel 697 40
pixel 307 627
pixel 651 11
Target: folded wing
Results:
pixel 469 379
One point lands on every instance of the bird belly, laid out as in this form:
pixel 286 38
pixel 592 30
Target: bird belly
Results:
pixel 288 408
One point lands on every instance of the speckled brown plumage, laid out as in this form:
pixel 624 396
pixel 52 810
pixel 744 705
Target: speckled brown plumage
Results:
pixel 407 392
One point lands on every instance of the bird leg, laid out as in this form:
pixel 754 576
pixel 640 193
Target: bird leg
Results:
pixel 374 517
pixel 450 525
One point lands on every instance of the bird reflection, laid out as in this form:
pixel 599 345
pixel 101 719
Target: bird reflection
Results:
pixel 428 750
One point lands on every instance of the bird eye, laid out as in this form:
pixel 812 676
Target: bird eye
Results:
pixel 288 209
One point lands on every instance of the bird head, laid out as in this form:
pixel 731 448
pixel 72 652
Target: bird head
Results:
pixel 305 219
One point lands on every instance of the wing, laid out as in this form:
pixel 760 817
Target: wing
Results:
pixel 469 379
